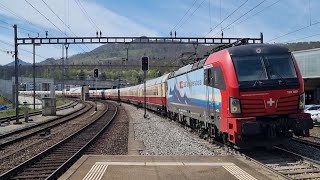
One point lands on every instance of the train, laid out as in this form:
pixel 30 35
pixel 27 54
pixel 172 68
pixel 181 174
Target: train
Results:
pixel 245 95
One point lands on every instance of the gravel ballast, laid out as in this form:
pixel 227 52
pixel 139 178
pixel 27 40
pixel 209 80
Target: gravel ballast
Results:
pixel 114 140
pixel 162 136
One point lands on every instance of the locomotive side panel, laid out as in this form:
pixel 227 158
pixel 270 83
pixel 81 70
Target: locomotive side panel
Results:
pixel 188 96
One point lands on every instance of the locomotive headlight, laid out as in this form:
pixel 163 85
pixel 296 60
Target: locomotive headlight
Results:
pixel 235 106
pixel 302 101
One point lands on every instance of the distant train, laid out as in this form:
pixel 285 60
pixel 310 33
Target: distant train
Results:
pixel 246 95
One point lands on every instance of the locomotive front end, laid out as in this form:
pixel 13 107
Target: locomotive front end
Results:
pixel 266 106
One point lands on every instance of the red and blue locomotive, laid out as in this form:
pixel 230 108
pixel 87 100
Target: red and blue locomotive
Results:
pixel 247 95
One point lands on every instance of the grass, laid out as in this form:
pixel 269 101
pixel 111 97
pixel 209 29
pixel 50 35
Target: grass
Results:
pixel 59 101
pixel 11 112
pixel 8 112
pixel 3 100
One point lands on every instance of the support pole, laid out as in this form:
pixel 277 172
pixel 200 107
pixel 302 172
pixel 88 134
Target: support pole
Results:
pixel 16 68
pixel 96 94
pixel 127 48
pixel 62 73
pixel 145 94
pixel 119 88
pixel 34 75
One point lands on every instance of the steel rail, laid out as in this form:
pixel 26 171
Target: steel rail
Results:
pixel 71 147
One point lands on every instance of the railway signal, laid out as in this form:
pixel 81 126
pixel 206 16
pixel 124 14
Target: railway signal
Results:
pixel 145 63
pixel 145 68
pixel 96 73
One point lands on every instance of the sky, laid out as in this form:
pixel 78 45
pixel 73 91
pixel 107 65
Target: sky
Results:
pixel 277 19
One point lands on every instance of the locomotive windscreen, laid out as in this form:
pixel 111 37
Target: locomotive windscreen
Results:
pixel 265 71
pixel 264 67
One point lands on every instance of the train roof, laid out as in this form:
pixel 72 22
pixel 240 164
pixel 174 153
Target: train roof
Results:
pixel 150 82
pixel 251 49
pixel 158 80
pixel 188 68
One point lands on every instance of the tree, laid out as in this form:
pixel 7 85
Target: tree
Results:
pixel 82 75
pixel 103 76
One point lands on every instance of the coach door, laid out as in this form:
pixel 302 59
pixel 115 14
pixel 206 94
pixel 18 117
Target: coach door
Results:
pixel 208 81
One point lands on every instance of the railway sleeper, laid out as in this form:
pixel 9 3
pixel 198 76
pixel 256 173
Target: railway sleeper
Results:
pixel 307 176
pixel 65 151
pixel 71 147
pixel 292 167
pixel 47 161
pixel 39 165
pixel 30 173
pixel 39 176
pixel 34 169
pixel 280 163
pixel 300 171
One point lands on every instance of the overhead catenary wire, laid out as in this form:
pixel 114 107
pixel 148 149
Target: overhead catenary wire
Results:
pixel 190 15
pixel 298 39
pixel 294 31
pixel 21 29
pixel 62 21
pixel 257 13
pixel 50 22
pixel 10 29
pixel 9 44
pixel 240 17
pixel 94 25
pixel 22 18
pixel 46 18
pixel 226 17
pixel 194 2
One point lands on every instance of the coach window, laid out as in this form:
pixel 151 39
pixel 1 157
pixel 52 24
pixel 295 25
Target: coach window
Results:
pixel 219 82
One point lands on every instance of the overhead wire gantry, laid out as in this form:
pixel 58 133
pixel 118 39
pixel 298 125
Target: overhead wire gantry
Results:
pixel 119 40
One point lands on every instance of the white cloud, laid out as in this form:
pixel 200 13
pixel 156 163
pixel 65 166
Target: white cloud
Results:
pixel 110 23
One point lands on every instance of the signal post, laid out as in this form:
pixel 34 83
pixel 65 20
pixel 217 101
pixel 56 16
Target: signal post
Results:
pixel 145 68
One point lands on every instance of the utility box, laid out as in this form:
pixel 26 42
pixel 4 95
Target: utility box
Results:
pixel 48 106
pixel 85 93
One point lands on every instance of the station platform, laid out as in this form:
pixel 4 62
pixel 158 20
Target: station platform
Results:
pixel 96 167
pixel 7 128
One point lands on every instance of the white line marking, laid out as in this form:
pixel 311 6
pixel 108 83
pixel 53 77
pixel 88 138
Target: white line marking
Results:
pixel 206 164
pixel 96 172
pixel 98 169
pixel 164 164
pixel 122 163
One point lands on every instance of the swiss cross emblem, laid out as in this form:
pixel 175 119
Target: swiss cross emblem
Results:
pixel 270 101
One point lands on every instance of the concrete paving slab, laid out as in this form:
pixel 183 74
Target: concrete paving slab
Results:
pixel 161 167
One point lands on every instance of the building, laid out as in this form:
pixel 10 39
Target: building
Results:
pixel 309 64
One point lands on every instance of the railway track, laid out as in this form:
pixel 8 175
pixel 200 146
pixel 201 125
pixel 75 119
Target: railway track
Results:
pixel 24 133
pixel 53 162
pixel 285 163
pixel 310 141
pixel 12 118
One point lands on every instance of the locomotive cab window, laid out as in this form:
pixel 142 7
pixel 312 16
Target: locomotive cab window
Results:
pixel 214 78
pixel 218 78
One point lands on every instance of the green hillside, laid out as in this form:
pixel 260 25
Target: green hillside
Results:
pixel 169 55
